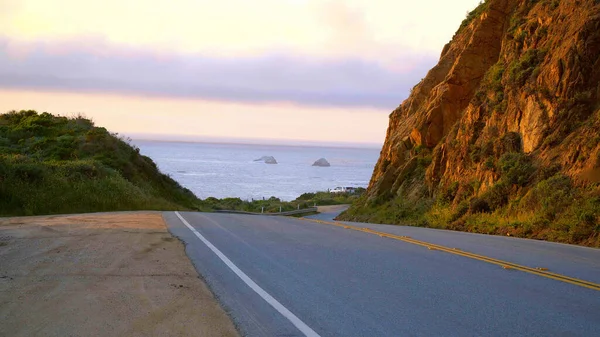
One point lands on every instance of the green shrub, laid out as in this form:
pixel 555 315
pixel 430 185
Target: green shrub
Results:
pixel 516 168
pixel 475 153
pixel 523 69
pixel 478 205
pixel 511 142
pixel 307 196
pixel 516 22
pixel 461 209
pixel 274 204
pixel 496 196
pixel 550 197
pixel 448 194
pixel 493 80
pixel 29 172
pixel 53 164
pixel 465 191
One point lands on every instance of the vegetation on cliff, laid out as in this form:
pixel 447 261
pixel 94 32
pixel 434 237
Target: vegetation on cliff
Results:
pixel 501 137
pixel 274 205
pixel 51 164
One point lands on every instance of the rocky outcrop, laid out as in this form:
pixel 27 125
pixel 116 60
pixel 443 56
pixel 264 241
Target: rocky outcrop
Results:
pixel 512 104
pixel 322 162
pixel 267 160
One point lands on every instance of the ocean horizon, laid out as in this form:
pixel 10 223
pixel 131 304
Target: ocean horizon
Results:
pixel 141 137
pixel 226 169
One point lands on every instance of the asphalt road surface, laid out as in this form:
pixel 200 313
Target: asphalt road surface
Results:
pixel 279 276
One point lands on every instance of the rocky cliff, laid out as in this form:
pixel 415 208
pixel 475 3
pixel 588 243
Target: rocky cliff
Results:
pixel 503 135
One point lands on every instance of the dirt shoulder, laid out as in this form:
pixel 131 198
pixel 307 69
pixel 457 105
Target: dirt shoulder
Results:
pixel 112 274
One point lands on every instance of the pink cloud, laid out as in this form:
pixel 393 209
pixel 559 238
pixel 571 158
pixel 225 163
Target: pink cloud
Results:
pixel 92 65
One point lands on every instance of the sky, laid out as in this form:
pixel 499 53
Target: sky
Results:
pixel 315 71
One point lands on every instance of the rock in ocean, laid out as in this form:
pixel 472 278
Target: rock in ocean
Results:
pixel 267 159
pixel 322 163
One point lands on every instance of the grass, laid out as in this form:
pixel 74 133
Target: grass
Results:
pixel 274 205
pixel 552 210
pixel 52 164
pixel 528 201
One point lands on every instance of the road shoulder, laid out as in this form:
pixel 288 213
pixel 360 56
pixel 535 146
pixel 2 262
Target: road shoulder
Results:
pixel 101 274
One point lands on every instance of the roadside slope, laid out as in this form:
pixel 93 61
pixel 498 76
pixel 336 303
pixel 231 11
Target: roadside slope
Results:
pixel 57 165
pixel 101 274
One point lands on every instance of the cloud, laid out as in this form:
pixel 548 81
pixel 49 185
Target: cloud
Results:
pixel 341 28
pixel 94 66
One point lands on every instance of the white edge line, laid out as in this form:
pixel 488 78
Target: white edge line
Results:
pixel 305 329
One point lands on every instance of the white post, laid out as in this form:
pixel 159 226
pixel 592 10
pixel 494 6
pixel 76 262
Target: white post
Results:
pixel 298 206
pixel 262 209
pixel 279 209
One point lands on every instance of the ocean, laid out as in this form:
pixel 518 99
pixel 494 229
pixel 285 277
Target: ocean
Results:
pixel 229 170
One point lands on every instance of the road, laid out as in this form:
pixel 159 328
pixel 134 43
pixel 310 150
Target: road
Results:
pixel 331 281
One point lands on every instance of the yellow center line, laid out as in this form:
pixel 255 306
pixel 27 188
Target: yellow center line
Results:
pixel 504 264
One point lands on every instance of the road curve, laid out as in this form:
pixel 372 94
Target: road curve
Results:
pixel 341 282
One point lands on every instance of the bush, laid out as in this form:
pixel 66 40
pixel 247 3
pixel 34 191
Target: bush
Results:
pixel 511 142
pixel 274 204
pixel 29 172
pixel 550 197
pixel 496 196
pixel 494 77
pixel 460 210
pixel 516 168
pixel 526 66
pixel 52 164
pixel 307 196
pixel 475 153
pixel 479 205
pixel 448 194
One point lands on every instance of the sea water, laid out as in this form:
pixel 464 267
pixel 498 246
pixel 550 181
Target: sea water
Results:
pixel 229 170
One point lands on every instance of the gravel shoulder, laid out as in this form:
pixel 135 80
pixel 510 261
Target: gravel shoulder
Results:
pixel 110 274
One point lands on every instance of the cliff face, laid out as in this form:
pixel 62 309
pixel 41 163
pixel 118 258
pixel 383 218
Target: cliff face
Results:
pixel 503 135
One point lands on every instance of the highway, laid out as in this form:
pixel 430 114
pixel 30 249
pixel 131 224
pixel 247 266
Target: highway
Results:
pixel 279 276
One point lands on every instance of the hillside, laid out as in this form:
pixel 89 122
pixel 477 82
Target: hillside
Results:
pixel 51 164
pixel 503 135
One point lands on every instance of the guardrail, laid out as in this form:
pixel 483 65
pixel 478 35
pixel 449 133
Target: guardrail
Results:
pixel 294 212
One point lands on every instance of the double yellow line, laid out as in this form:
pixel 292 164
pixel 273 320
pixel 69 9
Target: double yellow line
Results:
pixel 504 264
